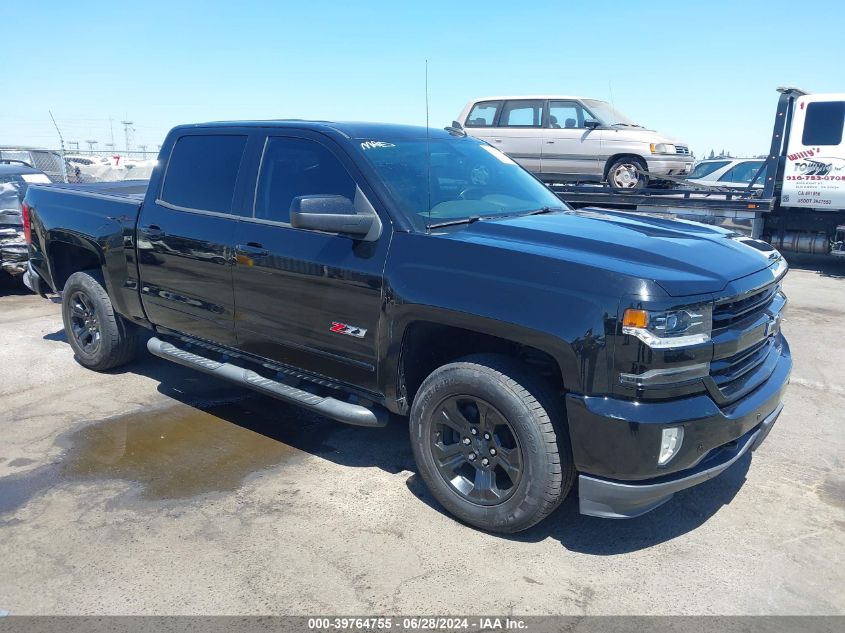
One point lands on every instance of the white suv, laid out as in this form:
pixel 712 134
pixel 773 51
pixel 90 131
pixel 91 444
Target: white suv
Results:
pixel 565 139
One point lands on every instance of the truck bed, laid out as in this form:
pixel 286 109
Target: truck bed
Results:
pixel 133 189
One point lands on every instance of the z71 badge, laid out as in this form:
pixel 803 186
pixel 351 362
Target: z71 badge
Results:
pixel 349 330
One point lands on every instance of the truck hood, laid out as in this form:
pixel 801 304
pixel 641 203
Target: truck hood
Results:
pixel 683 258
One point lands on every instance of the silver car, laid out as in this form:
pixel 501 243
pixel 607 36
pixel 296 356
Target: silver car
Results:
pixel 565 139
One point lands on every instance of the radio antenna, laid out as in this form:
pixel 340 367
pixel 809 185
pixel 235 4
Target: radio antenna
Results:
pixel 61 144
pixel 427 147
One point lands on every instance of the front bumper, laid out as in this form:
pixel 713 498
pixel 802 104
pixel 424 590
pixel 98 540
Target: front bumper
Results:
pixel 619 500
pixel 616 442
pixel 669 165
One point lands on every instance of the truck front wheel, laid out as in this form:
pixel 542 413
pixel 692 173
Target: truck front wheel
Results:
pixel 485 443
pixel 100 338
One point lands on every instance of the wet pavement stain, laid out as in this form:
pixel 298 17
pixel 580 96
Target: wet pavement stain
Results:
pixel 175 453
pixel 832 491
pixel 180 451
pixel 21 462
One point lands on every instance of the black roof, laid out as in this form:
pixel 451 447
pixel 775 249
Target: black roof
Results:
pixel 350 130
pixel 13 169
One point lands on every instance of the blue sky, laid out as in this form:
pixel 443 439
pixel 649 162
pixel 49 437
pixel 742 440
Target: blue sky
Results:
pixel 705 72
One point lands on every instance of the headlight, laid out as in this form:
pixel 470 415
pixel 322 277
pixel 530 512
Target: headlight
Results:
pixel 662 148
pixel 673 328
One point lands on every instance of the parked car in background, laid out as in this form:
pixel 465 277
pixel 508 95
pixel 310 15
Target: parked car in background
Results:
pixel 729 172
pixel 44 160
pixel 575 139
pixel 89 168
pixel 14 181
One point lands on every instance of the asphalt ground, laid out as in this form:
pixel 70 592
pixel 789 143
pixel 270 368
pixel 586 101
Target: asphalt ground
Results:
pixel 153 489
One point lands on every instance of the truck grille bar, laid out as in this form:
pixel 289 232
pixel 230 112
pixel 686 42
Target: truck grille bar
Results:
pixel 746 318
pixel 734 310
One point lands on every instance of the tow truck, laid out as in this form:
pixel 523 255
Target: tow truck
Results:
pixel 799 209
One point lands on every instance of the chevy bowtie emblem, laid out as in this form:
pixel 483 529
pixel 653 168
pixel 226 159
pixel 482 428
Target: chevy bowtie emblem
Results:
pixel 773 326
pixel 349 330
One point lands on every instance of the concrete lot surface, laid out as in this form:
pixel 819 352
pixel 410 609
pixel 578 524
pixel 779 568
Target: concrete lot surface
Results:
pixel 153 489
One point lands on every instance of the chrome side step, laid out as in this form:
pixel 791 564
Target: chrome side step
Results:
pixel 330 407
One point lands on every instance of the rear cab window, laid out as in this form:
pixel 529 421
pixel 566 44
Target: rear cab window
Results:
pixel 483 114
pixel 202 172
pixel 824 123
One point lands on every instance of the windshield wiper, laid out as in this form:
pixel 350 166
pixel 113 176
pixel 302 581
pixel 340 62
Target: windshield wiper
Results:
pixel 544 210
pixel 469 220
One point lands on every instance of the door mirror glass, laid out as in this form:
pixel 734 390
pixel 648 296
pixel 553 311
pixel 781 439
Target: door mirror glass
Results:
pixel 331 213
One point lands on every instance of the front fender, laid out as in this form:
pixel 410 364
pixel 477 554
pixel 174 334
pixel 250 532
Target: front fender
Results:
pixel 500 294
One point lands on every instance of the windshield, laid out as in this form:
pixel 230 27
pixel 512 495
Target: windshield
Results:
pixel 607 114
pixel 468 179
pixel 705 169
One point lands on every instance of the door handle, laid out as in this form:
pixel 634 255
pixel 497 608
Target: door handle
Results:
pixel 253 249
pixel 550 142
pixel 497 140
pixel 152 230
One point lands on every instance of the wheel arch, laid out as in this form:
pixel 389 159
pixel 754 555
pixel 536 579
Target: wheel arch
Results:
pixel 65 258
pixel 428 343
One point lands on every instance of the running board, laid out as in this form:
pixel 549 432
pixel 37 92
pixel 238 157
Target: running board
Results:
pixel 329 407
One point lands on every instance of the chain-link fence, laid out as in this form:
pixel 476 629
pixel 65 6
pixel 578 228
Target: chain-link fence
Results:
pixel 82 166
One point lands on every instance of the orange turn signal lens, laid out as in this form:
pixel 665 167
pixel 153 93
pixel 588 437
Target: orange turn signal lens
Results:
pixel 635 318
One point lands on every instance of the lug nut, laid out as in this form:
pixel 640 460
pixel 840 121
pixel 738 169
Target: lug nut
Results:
pixel 487 436
pixel 471 457
pixel 474 431
pixel 493 451
pixel 485 461
pixel 467 441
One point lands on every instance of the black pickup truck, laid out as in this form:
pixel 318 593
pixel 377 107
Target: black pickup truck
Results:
pixel 365 269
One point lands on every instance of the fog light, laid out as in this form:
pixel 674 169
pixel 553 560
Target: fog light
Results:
pixel 670 444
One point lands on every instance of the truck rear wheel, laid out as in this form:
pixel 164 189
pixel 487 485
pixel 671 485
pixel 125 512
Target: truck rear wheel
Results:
pixel 485 443
pixel 100 338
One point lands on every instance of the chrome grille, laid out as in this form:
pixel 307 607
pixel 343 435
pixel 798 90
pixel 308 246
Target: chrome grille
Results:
pixel 727 370
pixel 732 311
pixel 740 319
pixel 682 149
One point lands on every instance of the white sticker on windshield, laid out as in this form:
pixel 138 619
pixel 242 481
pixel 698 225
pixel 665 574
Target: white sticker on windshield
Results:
pixel 375 144
pixel 35 178
pixel 502 157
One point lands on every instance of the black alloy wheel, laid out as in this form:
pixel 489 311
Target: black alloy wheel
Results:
pixel 475 449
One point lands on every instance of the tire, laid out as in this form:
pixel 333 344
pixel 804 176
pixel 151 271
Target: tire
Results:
pixel 524 420
pixel 620 174
pixel 100 338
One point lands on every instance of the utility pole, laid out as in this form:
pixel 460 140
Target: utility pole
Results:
pixel 127 127
pixel 91 144
pixel 143 149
